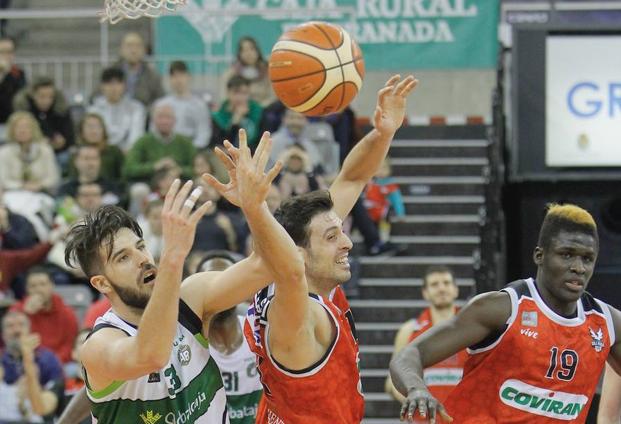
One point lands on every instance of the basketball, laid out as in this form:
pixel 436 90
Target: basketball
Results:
pixel 316 68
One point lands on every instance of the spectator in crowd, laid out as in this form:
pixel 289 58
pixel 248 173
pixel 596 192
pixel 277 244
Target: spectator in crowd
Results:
pixel 315 137
pixel 251 66
pixel 50 318
pixel 206 162
pixel 143 82
pixel 27 160
pixel 383 195
pixel 152 228
pixel 160 148
pixel 440 291
pixel 92 132
pixel 87 163
pixel 49 107
pixel 193 117
pixel 125 118
pixel 34 368
pixel 297 176
pixel 237 111
pixel 16 231
pixel 12 78
pixel 217 229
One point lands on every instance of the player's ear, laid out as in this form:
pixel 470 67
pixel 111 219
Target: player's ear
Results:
pixel 538 256
pixel 101 284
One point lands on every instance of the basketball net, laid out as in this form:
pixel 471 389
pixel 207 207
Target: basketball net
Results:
pixel 116 10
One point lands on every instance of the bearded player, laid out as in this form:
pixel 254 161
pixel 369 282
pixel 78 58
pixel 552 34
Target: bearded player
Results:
pixel 536 348
pixel 305 343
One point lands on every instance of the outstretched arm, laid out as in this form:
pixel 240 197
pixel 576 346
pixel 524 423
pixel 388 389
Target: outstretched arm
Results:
pixel 366 157
pixel 483 315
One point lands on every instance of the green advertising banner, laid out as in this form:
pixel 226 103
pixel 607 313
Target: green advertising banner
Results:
pixel 393 34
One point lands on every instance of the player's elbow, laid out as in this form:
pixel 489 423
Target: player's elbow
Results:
pixel 153 358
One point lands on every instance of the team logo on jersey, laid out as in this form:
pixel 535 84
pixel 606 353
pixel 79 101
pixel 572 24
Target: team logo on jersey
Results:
pixel 150 418
pixel 184 354
pixel 154 377
pixel 540 401
pixel 529 319
pixel 597 339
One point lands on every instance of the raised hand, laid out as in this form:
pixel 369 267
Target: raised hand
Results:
pixel 391 102
pixel 229 190
pixel 422 402
pixel 253 183
pixel 178 218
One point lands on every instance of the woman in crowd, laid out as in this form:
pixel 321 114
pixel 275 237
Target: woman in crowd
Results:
pixel 27 161
pixel 251 65
pixel 92 131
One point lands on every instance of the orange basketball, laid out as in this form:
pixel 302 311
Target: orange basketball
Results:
pixel 316 68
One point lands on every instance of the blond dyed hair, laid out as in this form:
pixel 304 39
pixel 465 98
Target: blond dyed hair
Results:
pixel 567 217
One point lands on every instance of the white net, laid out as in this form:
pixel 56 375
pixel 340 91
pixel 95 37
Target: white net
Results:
pixel 116 10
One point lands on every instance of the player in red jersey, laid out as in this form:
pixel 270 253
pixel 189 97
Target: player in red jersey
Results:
pixel 305 344
pixel 537 347
pixel 440 290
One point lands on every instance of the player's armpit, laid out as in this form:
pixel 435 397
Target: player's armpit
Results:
pixel 111 355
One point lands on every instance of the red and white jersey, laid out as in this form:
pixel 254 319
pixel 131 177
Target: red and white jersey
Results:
pixel 543 368
pixel 328 392
pixel 440 378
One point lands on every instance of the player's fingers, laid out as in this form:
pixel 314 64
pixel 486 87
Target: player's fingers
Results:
pixel 381 95
pixel 264 156
pixel 232 150
pixel 170 196
pixel 409 88
pixel 392 80
pixel 199 212
pixel 213 182
pixel 404 410
pixel 244 151
pixel 432 414
pixel 189 203
pixel 403 83
pixel 422 407
pixel 224 158
pixel 263 144
pixel 181 196
pixel 409 417
pixel 271 175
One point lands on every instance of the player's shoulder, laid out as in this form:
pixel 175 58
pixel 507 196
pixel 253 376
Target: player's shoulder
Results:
pixel 492 309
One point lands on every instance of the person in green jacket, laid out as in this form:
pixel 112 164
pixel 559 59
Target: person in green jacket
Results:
pixel 237 111
pixel 160 148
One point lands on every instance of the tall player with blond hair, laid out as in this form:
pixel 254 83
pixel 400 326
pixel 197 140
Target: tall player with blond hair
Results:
pixel 536 348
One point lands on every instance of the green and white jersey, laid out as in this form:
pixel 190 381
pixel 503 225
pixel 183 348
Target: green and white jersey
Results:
pixel 241 381
pixel 187 390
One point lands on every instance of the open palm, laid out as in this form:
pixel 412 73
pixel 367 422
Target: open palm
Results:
pixel 391 104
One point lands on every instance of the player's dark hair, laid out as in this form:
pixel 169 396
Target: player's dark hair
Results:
pixel 97 229
pixel 296 213
pixel 437 269
pixel 225 255
pixel 178 66
pixel 237 81
pixel 569 218
pixel 112 74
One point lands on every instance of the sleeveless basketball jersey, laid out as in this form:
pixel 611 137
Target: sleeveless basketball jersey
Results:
pixel 187 390
pixel 328 392
pixel 442 377
pixel 241 381
pixel 543 368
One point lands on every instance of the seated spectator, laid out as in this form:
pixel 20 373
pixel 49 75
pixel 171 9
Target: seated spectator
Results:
pixel 218 229
pixel 206 162
pixel 297 176
pixel 50 317
pixel 143 82
pixel 271 116
pixel 193 117
pixel 152 228
pixel 237 111
pixel 49 107
pixel 87 163
pixel 125 118
pixel 251 66
pixel 12 78
pixel 160 148
pixel 92 132
pixel 27 160
pixel 315 137
pixel 35 369
pixel 383 195
pixel 97 309
pixel 16 231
